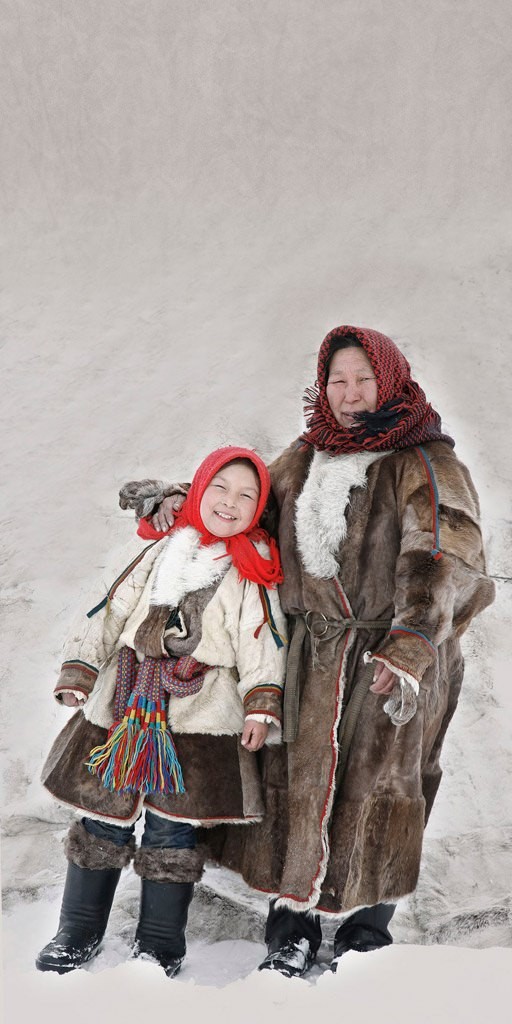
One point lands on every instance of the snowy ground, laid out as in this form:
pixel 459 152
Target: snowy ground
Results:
pixel 193 194
pixel 403 983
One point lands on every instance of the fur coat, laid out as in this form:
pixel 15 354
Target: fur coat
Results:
pixel 218 620
pixel 394 540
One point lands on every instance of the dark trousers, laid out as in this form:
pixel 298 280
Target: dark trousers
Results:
pixel 367 927
pixel 159 833
pixel 284 925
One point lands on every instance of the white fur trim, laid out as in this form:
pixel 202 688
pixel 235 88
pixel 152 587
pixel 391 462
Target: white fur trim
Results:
pixel 185 566
pixel 204 822
pixel 79 694
pixel 341 916
pixel 275 731
pixel 320 520
pixel 125 823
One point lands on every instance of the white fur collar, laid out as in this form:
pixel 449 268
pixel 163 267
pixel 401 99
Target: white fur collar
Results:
pixel 320 519
pixel 184 566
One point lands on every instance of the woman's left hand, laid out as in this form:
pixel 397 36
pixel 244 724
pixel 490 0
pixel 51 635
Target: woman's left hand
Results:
pixel 383 679
pixel 254 734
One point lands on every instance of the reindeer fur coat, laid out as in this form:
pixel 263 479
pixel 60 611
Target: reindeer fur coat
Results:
pixel 393 538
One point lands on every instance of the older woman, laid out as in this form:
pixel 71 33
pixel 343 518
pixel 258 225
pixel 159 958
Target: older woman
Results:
pixel 378 525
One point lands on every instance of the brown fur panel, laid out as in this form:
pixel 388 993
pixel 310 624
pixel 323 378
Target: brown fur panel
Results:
pixel 191 614
pixel 250 779
pixel 88 851
pixel 169 864
pixel 375 852
pixel 441 702
pixel 68 780
pixel 149 638
pixel 212 777
pixel 257 852
pixel 425 592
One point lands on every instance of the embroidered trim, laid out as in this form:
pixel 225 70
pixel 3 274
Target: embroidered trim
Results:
pixel 289 899
pixel 434 501
pixel 268 618
pixel 413 632
pixel 264 688
pixel 398 670
pixel 83 665
pixel 343 598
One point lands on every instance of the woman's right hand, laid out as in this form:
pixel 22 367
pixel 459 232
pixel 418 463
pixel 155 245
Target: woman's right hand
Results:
pixel 384 680
pixel 163 518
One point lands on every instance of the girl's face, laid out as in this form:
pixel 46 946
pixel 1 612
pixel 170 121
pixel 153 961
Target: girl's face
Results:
pixel 351 385
pixel 229 503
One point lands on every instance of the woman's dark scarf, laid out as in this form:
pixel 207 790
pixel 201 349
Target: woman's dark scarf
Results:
pixel 403 417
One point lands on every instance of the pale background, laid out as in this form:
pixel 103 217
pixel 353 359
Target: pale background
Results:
pixel 193 194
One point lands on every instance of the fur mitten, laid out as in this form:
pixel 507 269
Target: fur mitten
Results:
pixel 144 496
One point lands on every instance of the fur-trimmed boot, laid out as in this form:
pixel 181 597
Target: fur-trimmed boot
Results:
pixel 364 931
pixel 93 872
pixel 293 940
pixel 168 877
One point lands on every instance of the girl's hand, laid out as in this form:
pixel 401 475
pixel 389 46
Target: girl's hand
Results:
pixel 254 734
pixel 163 518
pixel 383 679
pixel 71 700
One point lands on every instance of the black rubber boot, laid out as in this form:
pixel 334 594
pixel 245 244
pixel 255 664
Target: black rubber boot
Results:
pixel 163 918
pixel 293 940
pixel 365 931
pixel 84 914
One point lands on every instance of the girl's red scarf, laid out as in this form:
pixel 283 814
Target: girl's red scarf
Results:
pixel 403 417
pixel 245 557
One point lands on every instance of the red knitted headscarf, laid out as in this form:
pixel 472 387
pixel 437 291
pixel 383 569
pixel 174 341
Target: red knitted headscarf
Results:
pixel 245 556
pixel 403 417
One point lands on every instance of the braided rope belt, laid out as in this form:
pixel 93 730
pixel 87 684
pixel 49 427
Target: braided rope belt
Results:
pixel 321 629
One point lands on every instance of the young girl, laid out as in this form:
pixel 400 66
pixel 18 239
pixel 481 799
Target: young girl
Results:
pixel 178 673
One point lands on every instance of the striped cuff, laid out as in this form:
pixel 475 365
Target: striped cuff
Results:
pixel 76 677
pixel 266 699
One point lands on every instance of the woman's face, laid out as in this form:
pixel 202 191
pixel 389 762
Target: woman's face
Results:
pixel 229 503
pixel 351 385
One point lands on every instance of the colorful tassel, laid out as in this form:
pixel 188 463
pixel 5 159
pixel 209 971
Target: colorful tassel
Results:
pixel 139 755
